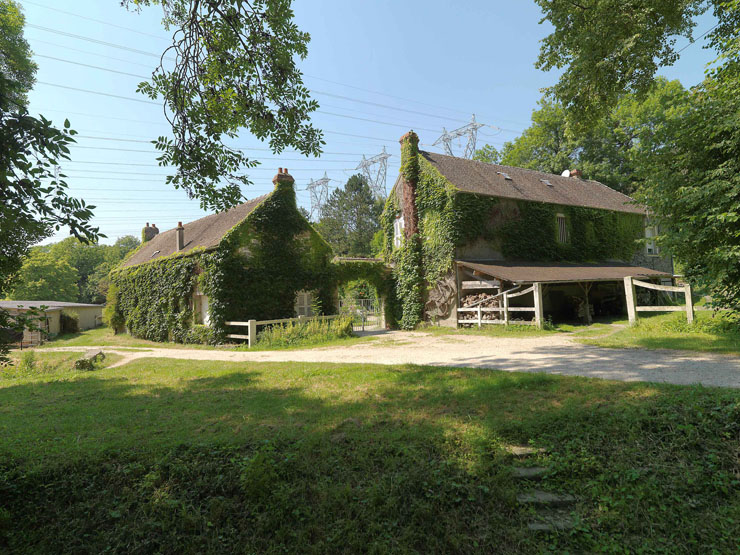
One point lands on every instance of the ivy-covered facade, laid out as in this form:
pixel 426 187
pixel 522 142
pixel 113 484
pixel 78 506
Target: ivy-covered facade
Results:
pixel 250 262
pixel 444 209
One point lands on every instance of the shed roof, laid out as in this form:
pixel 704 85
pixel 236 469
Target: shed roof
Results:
pixel 481 178
pixel 559 272
pixel 51 305
pixel 204 233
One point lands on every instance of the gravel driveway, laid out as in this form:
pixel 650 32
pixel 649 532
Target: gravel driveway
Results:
pixel 553 354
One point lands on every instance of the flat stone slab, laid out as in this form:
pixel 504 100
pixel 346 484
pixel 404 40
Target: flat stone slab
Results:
pixel 529 472
pixel 546 499
pixel 524 451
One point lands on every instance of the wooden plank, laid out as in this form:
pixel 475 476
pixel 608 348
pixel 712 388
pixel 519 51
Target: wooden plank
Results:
pixel 631 297
pixel 657 287
pixel 511 323
pixel 237 336
pixel 539 307
pixel 236 323
pixel 522 309
pixel 689 304
pixel 483 309
pixel 519 293
pixel 666 308
pixel 480 284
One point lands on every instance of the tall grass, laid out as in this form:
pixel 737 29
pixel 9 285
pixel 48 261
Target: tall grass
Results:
pixel 305 333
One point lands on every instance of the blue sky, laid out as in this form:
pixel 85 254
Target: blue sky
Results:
pixel 402 65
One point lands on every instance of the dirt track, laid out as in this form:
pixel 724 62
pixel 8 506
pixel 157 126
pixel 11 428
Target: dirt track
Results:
pixel 555 354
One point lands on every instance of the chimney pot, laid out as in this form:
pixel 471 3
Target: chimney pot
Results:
pixel 286 170
pixel 576 173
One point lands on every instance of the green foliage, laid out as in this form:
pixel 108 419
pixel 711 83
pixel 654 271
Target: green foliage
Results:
pixel 296 334
pixel 410 282
pixel 350 218
pixel 488 154
pixel 112 315
pixel 153 299
pixel 254 273
pixel 609 51
pixel 377 275
pixel 612 151
pixel 200 334
pixel 246 78
pixel 27 363
pixel 44 277
pixel 594 235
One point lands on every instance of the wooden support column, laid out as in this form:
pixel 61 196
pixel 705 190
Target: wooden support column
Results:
pixel 689 304
pixel 506 308
pixel 539 316
pixel 252 332
pixel 631 296
pixel 480 315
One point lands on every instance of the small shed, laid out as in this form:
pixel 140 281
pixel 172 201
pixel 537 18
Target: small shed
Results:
pixel 89 316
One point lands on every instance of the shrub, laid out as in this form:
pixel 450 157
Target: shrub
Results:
pixel 89 361
pixel 69 322
pixel 199 334
pixel 305 333
pixel 27 363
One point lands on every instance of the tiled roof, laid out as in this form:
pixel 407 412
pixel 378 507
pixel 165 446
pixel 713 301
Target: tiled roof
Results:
pixel 494 180
pixel 204 233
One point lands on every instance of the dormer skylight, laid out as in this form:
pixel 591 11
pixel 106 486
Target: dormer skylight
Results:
pixel 505 175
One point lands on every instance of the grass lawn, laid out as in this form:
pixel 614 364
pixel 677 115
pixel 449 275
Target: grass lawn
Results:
pixel 670 331
pixel 163 456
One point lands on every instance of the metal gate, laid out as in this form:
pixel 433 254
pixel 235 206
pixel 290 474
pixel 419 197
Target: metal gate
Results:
pixel 366 314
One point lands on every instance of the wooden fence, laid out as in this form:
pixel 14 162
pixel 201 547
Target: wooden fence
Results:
pixel 505 310
pixel 632 307
pixel 251 325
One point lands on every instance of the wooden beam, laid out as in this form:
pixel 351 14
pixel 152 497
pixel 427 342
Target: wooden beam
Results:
pixel 629 293
pixel 539 316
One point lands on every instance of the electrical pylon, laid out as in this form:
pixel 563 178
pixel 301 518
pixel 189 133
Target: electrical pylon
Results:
pixel 376 179
pixel 470 130
pixel 319 195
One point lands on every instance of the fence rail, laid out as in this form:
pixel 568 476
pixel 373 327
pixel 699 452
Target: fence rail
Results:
pixel 630 284
pixel 251 325
pixel 504 310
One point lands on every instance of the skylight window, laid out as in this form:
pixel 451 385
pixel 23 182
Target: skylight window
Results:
pixel 155 253
pixel 546 182
pixel 505 175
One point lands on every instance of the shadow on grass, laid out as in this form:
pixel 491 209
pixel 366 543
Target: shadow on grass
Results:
pixel 219 457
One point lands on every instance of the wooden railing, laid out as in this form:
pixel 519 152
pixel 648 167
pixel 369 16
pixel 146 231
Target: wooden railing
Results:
pixel 251 325
pixel 506 309
pixel 632 308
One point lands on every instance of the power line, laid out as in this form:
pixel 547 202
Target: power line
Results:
pixel 705 33
pixel 96 20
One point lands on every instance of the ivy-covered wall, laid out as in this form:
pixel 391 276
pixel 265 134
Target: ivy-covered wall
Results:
pixel 254 273
pixel 450 222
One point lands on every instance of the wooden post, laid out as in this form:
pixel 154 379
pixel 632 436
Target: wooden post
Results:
pixel 689 304
pixel 629 293
pixel 480 315
pixel 538 305
pixel 252 332
pixel 506 308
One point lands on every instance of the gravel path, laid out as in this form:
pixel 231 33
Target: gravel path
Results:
pixel 553 354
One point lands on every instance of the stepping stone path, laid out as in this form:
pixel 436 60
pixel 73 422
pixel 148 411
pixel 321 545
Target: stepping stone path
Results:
pixel 552 509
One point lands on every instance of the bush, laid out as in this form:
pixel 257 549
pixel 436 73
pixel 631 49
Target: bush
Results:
pixel 89 361
pixel 69 322
pixel 199 334
pixel 305 333
pixel 27 363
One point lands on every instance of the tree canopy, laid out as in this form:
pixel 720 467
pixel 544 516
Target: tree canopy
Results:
pixel 44 277
pixel 231 65
pixel 351 217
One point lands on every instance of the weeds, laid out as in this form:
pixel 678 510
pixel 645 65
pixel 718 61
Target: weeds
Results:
pixel 312 332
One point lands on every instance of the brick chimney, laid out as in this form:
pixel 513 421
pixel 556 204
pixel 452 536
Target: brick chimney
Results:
pixel 283 178
pixel 149 232
pixel 576 173
pixel 180 236
pixel 409 181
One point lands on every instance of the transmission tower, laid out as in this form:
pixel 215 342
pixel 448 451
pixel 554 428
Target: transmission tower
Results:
pixel 319 195
pixel 470 131
pixel 375 178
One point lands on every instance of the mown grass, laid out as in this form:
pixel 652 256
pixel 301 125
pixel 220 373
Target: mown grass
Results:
pixel 205 457
pixel 711 333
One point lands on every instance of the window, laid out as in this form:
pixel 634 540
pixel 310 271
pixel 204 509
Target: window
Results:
pixel 651 231
pixel 398 231
pixel 562 229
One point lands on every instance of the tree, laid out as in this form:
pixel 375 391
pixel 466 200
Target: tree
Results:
pixel 611 150
pixel 43 277
pixel 231 65
pixel 487 154
pixel 693 190
pixel 33 200
pixel 351 217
